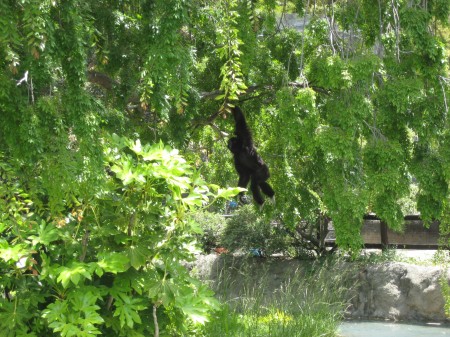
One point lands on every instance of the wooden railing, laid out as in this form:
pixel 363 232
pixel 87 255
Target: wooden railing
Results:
pixel 376 234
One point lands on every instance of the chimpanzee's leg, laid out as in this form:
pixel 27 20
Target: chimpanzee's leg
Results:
pixel 244 178
pixel 267 189
pixel 254 186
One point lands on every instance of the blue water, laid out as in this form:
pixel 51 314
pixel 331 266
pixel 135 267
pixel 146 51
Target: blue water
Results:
pixel 389 329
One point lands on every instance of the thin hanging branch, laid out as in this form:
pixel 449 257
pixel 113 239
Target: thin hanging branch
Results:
pixel 446 81
pixel 302 56
pixel 331 24
pixel 249 90
pixel 396 28
pixel 283 14
pixel 379 51
pixel 155 321
pixel 266 88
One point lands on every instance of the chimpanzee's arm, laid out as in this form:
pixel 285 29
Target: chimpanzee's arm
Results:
pixel 242 131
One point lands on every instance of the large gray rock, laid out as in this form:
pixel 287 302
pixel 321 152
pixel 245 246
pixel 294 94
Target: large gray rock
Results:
pixel 399 291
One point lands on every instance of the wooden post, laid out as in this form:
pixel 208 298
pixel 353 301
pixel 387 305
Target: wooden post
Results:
pixel 384 235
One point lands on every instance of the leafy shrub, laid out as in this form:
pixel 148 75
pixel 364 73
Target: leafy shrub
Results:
pixel 249 229
pixel 113 265
pixel 213 226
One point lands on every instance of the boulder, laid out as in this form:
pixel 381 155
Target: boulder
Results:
pixel 399 291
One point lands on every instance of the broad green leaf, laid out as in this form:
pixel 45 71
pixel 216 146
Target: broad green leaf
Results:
pixel 193 200
pixel 127 310
pixel 46 234
pixel 167 295
pixel 229 192
pixel 137 147
pixel 113 262
pixel 138 255
pixel 74 273
pixel 13 253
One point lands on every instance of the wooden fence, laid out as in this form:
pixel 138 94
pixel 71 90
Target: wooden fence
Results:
pixel 376 234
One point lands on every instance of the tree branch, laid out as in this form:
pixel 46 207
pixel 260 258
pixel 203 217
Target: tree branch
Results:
pixel 256 87
pixel 100 79
pixel 308 237
pixel 250 89
pixel 131 224
pixel 253 88
pixel 84 244
pixel 155 321
pixel 108 83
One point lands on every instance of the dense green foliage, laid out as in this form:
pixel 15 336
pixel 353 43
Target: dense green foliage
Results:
pixel 350 112
pixel 113 265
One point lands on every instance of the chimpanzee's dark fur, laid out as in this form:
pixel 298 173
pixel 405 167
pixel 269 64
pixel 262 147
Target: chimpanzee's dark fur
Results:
pixel 249 165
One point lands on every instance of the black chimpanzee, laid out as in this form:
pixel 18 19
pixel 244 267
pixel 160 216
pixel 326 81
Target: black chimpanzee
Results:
pixel 249 165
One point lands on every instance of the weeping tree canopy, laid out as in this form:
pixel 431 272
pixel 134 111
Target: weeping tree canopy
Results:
pixel 348 103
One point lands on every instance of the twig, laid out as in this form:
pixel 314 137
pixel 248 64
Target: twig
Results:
pixel 283 12
pixel 31 88
pixel 375 131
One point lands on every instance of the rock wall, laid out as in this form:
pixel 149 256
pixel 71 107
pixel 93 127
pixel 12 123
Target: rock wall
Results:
pixel 399 291
pixel 394 291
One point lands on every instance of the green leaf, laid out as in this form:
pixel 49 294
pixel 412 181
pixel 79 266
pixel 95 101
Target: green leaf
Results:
pixel 168 295
pixel 138 255
pixel 74 273
pixel 13 253
pixel 127 310
pixel 197 313
pixel 136 147
pixel 154 153
pixel 46 234
pixel 193 199
pixel 113 262
pixel 229 192
pixel 196 304
pixel 13 317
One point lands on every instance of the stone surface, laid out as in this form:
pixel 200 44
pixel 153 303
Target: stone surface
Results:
pixel 399 291
pixel 394 290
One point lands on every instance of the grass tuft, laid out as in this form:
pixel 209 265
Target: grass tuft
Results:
pixel 309 304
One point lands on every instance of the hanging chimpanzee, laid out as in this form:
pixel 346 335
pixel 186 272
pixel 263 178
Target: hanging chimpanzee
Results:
pixel 249 165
